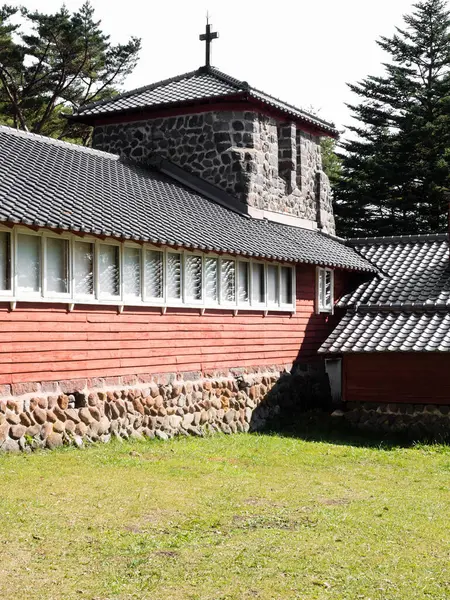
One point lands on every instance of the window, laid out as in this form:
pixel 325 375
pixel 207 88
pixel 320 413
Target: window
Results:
pixel 109 270
pixel 83 268
pixel 258 284
pixel 5 261
pixel 211 285
pixel 154 274
pixel 325 296
pixel 57 265
pixel 243 281
pixel 174 276
pixel 132 272
pixel 272 284
pixel 29 263
pixel 193 274
pixel 286 285
pixel 228 280
pixel 72 269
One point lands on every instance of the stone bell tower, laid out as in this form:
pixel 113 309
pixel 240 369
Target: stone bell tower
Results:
pixel 263 152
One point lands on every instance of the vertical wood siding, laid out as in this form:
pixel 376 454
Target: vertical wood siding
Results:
pixel 45 342
pixel 418 378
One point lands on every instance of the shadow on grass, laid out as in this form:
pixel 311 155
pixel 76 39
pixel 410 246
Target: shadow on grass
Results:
pixel 320 426
pixel 299 405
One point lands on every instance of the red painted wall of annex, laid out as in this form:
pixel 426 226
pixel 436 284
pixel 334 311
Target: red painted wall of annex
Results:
pixel 412 377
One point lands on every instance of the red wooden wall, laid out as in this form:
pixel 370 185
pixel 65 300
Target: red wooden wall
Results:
pixel 419 378
pixel 44 342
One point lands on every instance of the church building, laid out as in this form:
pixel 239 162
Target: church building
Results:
pixel 162 281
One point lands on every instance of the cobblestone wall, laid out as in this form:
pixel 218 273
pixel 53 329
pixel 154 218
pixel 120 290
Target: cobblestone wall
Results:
pixel 414 420
pixel 266 165
pixel 49 415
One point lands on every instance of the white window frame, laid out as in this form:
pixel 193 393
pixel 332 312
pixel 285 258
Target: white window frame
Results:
pixel 284 305
pixel 224 303
pixel 174 301
pixel 46 294
pixel 129 297
pixel 277 302
pixel 244 303
pixel 320 308
pixel 192 301
pixel 253 302
pixel 71 298
pixel 150 300
pixel 208 302
pixel 12 254
pixel 84 298
pixel 98 294
pixel 26 294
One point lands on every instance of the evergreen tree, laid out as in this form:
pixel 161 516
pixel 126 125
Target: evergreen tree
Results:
pixel 396 166
pixel 54 64
pixel 331 162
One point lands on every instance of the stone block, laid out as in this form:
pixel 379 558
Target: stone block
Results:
pixel 54 440
pixel 229 416
pixel 58 427
pixel 33 430
pixel 19 389
pixel 4 431
pixel 12 417
pixel 85 416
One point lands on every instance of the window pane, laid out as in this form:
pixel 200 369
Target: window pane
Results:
pixel 154 274
pixel 327 289
pixel 211 279
pixel 174 275
pixel 57 266
pixel 258 284
pixel 84 268
pixel 29 262
pixel 321 288
pixel 132 271
pixel 108 270
pixel 5 261
pixel 228 281
pixel 243 281
pixel 272 284
pixel 286 285
pixel 193 275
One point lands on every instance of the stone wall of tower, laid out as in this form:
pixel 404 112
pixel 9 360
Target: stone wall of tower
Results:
pixel 267 165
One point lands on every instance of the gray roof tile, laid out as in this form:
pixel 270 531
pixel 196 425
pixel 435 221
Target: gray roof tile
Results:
pixel 50 183
pixel 413 270
pixel 406 308
pixel 390 332
pixel 202 84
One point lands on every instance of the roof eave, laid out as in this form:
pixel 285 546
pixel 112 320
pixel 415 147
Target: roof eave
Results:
pixel 243 96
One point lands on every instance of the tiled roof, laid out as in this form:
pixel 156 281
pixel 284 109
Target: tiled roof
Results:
pixel 415 269
pixel 49 183
pixel 391 332
pixel 404 309
pixel 204 84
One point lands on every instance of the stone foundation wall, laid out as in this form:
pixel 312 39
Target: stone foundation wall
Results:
pixel 414 420
pixel 49 415
pixel 238 152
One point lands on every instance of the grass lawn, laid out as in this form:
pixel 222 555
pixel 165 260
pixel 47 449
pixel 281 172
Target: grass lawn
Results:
pixel 245 516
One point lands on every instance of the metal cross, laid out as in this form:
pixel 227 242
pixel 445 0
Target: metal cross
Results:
pixel 208 37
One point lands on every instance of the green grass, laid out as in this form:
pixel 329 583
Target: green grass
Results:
pixel 245 516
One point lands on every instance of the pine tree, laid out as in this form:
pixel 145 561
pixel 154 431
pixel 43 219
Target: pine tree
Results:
pixel 396 166
pixel 56 63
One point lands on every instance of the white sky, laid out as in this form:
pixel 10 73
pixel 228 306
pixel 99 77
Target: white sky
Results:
pixel 302 51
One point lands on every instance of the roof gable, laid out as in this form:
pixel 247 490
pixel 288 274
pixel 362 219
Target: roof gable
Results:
pixel 204 84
